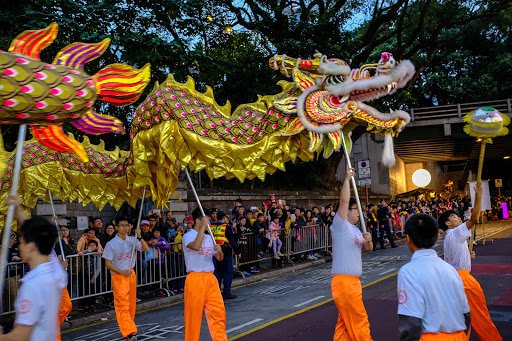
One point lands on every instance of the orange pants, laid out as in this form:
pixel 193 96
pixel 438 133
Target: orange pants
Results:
pixel 125 294
pixel 353 321
pixel 64 309
pixel 481 321
pixel 202 293
pixel 458 336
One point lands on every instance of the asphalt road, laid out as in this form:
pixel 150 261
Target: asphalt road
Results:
pixel 492 268
pixel 298 303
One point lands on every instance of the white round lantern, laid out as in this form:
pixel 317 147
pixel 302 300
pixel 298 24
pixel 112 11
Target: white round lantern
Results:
pixel 421 177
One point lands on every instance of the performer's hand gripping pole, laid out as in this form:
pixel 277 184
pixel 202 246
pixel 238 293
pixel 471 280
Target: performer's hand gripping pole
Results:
pixel 138 224
pixel 197 199
pixel 10 212
pixel 354 186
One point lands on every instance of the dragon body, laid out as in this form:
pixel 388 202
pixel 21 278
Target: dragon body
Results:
pixel 177 126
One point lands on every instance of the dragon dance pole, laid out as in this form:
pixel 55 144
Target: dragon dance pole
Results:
pixel 478 179
pixel 10 212
pixel 353 181
pixel 197 199
pixel 485 124
pixel 56 226
pixel 138 223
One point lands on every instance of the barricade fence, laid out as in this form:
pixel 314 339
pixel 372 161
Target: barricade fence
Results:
pixel 89 278
pixel 295 242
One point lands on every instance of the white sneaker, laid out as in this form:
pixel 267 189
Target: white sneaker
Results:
pixel 277 257
pixel 280 254
pixel 311 257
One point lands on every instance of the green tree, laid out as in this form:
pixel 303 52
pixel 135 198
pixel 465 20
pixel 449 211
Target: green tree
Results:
pixel 461 49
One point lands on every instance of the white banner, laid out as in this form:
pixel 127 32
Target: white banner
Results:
pixel 486 196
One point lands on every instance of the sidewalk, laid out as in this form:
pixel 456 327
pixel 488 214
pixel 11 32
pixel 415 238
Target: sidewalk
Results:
pixel 492 268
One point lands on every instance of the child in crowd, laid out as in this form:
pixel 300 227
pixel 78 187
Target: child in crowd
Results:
pixel 90 270
pixel 177 247
pixel 396 221
pixel 160 246
pixel 275 230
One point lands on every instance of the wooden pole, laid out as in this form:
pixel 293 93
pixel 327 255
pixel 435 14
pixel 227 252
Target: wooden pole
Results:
pixel 138 224
pixel 478 179
pixel 10 211
pixel 57 226
pixel 197 199
pixel 354 186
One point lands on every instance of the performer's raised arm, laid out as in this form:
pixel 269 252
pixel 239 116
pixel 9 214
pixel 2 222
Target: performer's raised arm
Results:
pixel 345 194
pixel 14 200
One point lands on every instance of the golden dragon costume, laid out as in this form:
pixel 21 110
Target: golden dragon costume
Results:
pixel 177 126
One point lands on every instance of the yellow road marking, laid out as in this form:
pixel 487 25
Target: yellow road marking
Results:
pixel 305 309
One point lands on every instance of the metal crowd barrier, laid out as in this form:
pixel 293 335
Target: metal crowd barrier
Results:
pixel 15 271
pixel 88 276
pixel 256 248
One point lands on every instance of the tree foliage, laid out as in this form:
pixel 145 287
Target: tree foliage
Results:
pixel 461 49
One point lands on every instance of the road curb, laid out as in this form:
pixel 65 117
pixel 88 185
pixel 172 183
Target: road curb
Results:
pixel 166 301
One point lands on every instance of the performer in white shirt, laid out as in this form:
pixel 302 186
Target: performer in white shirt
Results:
pixel 456 253
pixel 117 255
pixel 431 300
pixel 202 292
pixel 347 242
pixel 38 301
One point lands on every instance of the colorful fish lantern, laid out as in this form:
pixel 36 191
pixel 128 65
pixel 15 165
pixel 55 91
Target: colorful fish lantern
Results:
pixel 45 95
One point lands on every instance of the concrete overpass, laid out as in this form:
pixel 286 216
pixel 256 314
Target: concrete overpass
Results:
pixel 435 140
pixel 436 134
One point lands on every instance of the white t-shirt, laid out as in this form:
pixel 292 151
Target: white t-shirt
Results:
pixel 61 277
pixel 455 247
pixel 347 241
pixel 431 290
pixel 119 251
pixel 38 302
pixel 202 260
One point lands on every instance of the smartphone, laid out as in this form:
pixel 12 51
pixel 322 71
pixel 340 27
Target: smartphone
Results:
pixel 156 210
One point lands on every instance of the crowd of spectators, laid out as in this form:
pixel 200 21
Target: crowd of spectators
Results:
pixel 257 233
pixel 386 222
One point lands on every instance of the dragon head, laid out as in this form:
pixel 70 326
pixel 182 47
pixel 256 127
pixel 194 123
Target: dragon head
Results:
pixel 332 94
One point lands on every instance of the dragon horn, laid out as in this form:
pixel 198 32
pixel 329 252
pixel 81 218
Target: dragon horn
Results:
pixel 286 64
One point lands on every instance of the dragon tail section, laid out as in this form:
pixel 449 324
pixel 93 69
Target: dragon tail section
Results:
pixel 107 178
pixel 54 138
pixel 97 124
pixel 121 84
pixel 31 43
